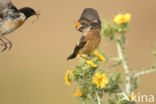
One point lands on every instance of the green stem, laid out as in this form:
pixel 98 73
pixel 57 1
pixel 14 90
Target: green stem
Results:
pixel 115 59
pixel 99 100
pixel 145 71
pixel 125 67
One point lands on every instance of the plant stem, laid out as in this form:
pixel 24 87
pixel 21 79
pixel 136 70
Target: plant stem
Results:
pixel 125 67
pixel 99 100
pixel 145 71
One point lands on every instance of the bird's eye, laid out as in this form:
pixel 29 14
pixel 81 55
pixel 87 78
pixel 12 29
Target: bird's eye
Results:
pixel 83 23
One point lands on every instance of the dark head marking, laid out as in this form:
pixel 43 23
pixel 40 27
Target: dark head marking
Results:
pixel 28 12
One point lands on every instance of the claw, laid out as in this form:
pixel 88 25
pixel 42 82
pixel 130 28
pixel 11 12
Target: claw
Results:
pixel 84 57
pixel 1 44
pixel 5 47
pixel 10 43
pixel 5 44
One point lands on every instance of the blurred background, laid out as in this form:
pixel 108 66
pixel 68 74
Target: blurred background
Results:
pixel 33 71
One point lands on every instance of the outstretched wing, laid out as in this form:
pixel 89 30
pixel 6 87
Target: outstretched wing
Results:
pixel 5 5
pixel 79 46
pixel 90 15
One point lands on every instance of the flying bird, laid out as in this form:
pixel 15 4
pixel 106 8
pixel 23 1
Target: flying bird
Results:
pixel 89 25
pixel 11 19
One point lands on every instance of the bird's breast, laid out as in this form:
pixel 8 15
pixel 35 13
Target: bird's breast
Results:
pixel 93 39
pixel 10 25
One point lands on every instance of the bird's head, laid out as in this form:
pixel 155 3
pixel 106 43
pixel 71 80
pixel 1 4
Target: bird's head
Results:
pixel 81 26
pixel 28 12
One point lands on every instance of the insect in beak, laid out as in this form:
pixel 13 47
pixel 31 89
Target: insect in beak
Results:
pixel 78 25
pixel 37 14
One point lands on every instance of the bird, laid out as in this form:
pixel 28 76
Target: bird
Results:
pixel 89 25
pixel 11 19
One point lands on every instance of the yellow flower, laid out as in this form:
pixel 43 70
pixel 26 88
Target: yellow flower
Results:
pixel 122 18
pixel 78 93
pixel 98 55
pixel 91 63
pixel 100 79
pixel 67 77
pixel 132 97
pixel 82 55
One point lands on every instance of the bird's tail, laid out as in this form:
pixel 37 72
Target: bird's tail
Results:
pixel 72 56
pixel 76 50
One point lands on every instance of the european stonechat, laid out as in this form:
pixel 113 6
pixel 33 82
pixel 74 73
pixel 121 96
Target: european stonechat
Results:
pixel 11 19
pixel 90 26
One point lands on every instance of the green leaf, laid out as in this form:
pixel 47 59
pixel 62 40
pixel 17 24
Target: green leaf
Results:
pixel 107 30
pixel 121 28
pixel 116 77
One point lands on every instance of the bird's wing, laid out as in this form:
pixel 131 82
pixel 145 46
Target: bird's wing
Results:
pixel 78 46
pixel 89 15
pixel 6 5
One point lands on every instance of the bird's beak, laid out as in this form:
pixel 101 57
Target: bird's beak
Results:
pixel 37 14
pixel 78 25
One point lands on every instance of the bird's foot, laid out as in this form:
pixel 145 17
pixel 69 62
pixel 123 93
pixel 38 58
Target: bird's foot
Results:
pixel 5 45
pixel 85 56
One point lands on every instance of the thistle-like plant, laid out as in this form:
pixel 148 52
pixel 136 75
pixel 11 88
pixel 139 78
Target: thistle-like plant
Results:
pixel 93 81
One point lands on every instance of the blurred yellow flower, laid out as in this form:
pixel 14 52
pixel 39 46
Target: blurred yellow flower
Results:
pixel 98 55
pixel 82 55
pixel 132 97
pixel 78 93
pixel 122 18
pixel 100 79
pixel 67 77
pixel 91 63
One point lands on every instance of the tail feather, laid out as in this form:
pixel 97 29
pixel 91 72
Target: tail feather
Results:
pixel 72 56
pixel 77 48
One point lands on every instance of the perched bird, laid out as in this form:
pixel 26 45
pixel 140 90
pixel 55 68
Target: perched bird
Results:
pixel 11 19
pixel 90 26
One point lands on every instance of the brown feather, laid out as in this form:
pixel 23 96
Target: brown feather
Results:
pixel 93 39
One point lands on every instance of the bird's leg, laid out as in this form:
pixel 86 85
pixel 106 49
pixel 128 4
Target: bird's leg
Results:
pixel 84 56
pixel 89 55
pixel 9 42
pixel 3 44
